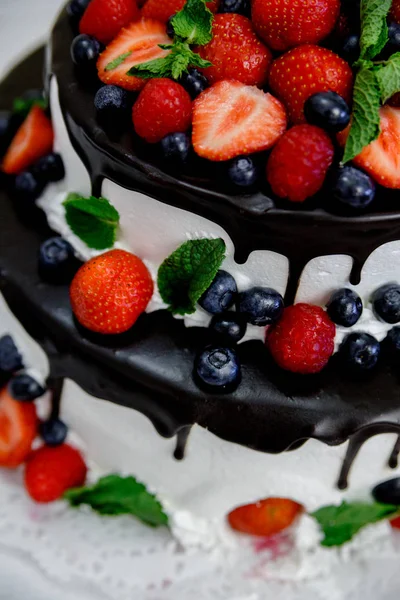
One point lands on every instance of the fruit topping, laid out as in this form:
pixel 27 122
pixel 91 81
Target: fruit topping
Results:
pixel 386 303
pixel 27 187
pixel 236 52
pixel 194 82
pixel 163 107
pixel 327 110
pixel 360 351
pixel 353 188
pixel 50 472
pixel 229 326
pixel 25 388
pixel 350 48
pixel 303 340
pixel 266 517
pixel 176 148
pixel 241 7
pixel 221 294
pixel 218 368
pixel 10 358
pixel 298 164
pixel 104 19
pixel 231 119
pixel 395 11
pixel 388 492
pixel 76 8
pixel 163 10
pixel 345 307
pixel 112 105
pixel 50 168
pixel 18 426
pixel 53 432
pixel 56 260
pixel 306 70
pixel 85 51
pixel 7 130
pixel 260 306
pixel 243 172
pixel 33 140
pixel 393 339
pixel 110 292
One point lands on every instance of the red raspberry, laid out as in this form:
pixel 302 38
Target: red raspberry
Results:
pixel 303 340
pixel 298 164
pixel 163 107
pixel 50 472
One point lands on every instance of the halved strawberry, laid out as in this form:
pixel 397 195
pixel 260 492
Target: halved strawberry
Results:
pixel 18 428
pixel 104 19
pixel 135 44
pixel 162 10
pixel 381 159
pixel 266 517
pixel 33 140
pixel 231 119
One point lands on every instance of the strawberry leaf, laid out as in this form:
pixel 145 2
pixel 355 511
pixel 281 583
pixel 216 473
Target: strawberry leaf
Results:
pixel 185 275
pixel 374 30
pixel 194 23
pixel 389 77
pixel 93 220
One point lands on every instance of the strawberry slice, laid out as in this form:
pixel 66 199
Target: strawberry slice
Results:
pixel 135 44
pixel 231 119
pixel 381 159
pixel 162 10
pixel 104 19
pixel 266 517
pixel 18 427
pixel 33 140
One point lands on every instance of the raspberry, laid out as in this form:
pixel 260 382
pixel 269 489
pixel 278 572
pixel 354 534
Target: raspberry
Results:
pixel 303 340
pixel 299 162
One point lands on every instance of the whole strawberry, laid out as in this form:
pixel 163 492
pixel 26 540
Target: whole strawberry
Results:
pixel 110 292
pixel 283 24
pixel 266 517
pixel 50 472
pixel 304 71
pixel 163 107
pixel 395 11
pixel 104 19
pixel 236 52
pixel 298 164
pixel 303 340
pixel 162 10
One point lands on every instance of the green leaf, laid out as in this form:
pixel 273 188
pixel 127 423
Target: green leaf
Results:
pixel 93 220
pixel 117 61
pixel 173 65
pixel 194 23
pixel 23 106
pixel 389 77
pixel 365 126
pixel 374 30
pixel 340 523
pixel 115 495
pixel 185 275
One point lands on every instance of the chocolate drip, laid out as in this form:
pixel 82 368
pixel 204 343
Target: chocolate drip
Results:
pixel 56 387
pixel 181 442
pixel 394 457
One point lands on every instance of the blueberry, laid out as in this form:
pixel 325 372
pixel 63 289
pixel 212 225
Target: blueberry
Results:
pixel 386 302
pixel 393 338
pixel 242 7
pixel 85 51
pixel 345 307
pixel 353 188
pixel 260 306
pixel 170 29
pixel 10 358
pixel 229 325
pixel 242 171
pixel 393 44
pixel 24 388
pixel 56 260
pixel 327 110
pixel 221 294
pixel 27 186
pixel 360 351
pixel 388 492
pixel 50 168
pixel 176 147
pixel 194 82
pixel 350 49
pixel 6 130
pixel 112 104
pixel 53 432
pixel 218 368
pixel 76 8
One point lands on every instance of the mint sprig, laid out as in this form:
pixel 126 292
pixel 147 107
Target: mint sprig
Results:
pixel 341 523
pixel 185 275
pixel 115 495
pixel 94 220
pixel 374 30
pixel 194 23
pixel 118 61
pixel 22 106
pixel 388 76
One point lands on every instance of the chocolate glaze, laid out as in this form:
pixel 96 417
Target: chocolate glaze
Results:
pixel 150 368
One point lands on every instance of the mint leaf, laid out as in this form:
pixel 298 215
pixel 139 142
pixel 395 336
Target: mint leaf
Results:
pixel 365 125
pixel 194 23
pixel 93 220
pixel 374 30
pixel 115 495
pixel 389 77
pixel 118 61
pixel 340 523
pixel 23 106
pixel 173 65
pixel 185 275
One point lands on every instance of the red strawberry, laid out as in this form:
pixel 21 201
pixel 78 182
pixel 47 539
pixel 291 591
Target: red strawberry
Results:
pixel 394 14
pixel 104 19
pixel 298 164
pixel 162 10
pixel 304 71
pixel 163 107
pixel 109 292
pixel 303 340
pixel 140 42
pixel 230 119
pixel 395 523
pixel 266 517
pixel 283 24
pixel 381 159
pixel 33 140
pixel 236 52
pixel 18 428
pixel 50 472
